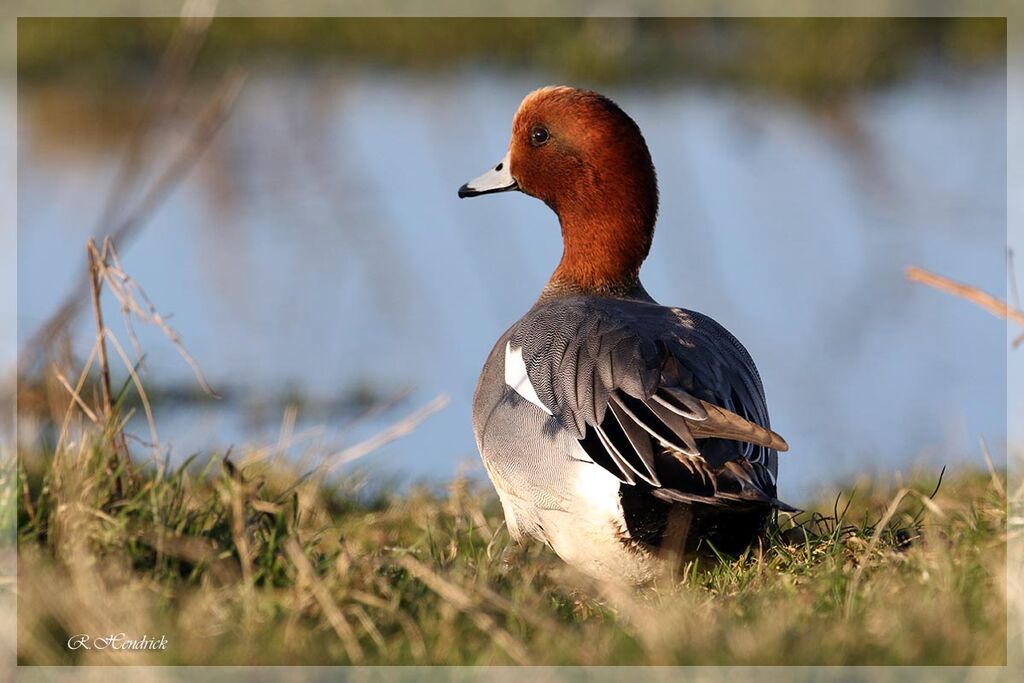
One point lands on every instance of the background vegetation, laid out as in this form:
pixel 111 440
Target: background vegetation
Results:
pixel 808 58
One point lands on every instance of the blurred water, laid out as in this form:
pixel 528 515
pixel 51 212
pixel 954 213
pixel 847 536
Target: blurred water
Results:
pixel 319 245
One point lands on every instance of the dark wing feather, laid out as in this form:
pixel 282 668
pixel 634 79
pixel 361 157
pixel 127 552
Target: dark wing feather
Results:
pixel 723 424
pixel 639 441
pixel 655 394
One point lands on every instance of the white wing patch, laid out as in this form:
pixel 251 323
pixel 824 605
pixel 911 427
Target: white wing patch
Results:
pixel 516 377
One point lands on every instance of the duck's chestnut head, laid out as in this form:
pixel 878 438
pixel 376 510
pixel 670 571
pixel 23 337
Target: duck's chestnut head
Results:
pixel 580 154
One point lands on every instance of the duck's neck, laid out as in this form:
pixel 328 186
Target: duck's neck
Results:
pixel 602 252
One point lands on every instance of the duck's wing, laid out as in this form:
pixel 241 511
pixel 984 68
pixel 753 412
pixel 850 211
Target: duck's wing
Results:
pixel 660 397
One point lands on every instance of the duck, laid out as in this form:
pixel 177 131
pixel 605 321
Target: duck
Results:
pixel 623 434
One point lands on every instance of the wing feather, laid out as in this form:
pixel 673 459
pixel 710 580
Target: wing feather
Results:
pixel 655 395
pixel 639 441
pixel 641 414
pixel 625 472
pixel 725 424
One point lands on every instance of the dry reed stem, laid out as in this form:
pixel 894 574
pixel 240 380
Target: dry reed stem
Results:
pixel 121 461
pixel 164 97
pixel 161 100
pixel 207 124
pixel 327 605
pixel 97 309
pixel 996 307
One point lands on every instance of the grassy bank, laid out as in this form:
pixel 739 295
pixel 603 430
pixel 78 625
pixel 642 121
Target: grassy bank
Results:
pixel 237 561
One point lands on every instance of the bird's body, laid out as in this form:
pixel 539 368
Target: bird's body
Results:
pixel 620 432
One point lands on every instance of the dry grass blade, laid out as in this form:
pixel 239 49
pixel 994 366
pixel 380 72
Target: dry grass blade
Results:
pixel 932 506
pixel 403 427
pixel 137 381
pixel 75 396
pixel 194 550
pixel 886 518
pixel 261 453
pixel 503 604
pixel 129 294
pixel 327 605
pixel 463 602
pixel 370 628
pixel 66 423
pixel 239 534
pixel 996 481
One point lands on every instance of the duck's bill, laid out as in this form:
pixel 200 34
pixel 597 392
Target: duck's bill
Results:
pixel 498 179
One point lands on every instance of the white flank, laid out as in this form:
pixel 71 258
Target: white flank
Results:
pixel 597 487
pixel 516 377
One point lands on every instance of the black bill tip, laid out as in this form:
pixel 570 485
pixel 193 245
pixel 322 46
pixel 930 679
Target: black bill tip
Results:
pixel 467 191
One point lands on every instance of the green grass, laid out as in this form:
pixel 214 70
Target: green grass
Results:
pixel 250 564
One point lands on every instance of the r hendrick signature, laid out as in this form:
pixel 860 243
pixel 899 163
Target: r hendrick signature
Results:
pixel 116 641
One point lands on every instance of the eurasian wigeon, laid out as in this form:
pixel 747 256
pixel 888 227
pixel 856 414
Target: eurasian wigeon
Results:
pixel 620 432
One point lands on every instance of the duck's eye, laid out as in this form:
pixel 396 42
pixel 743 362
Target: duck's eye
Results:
pixel 538 136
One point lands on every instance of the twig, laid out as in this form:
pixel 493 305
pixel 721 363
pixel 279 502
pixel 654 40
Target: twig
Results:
pixel 996 307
